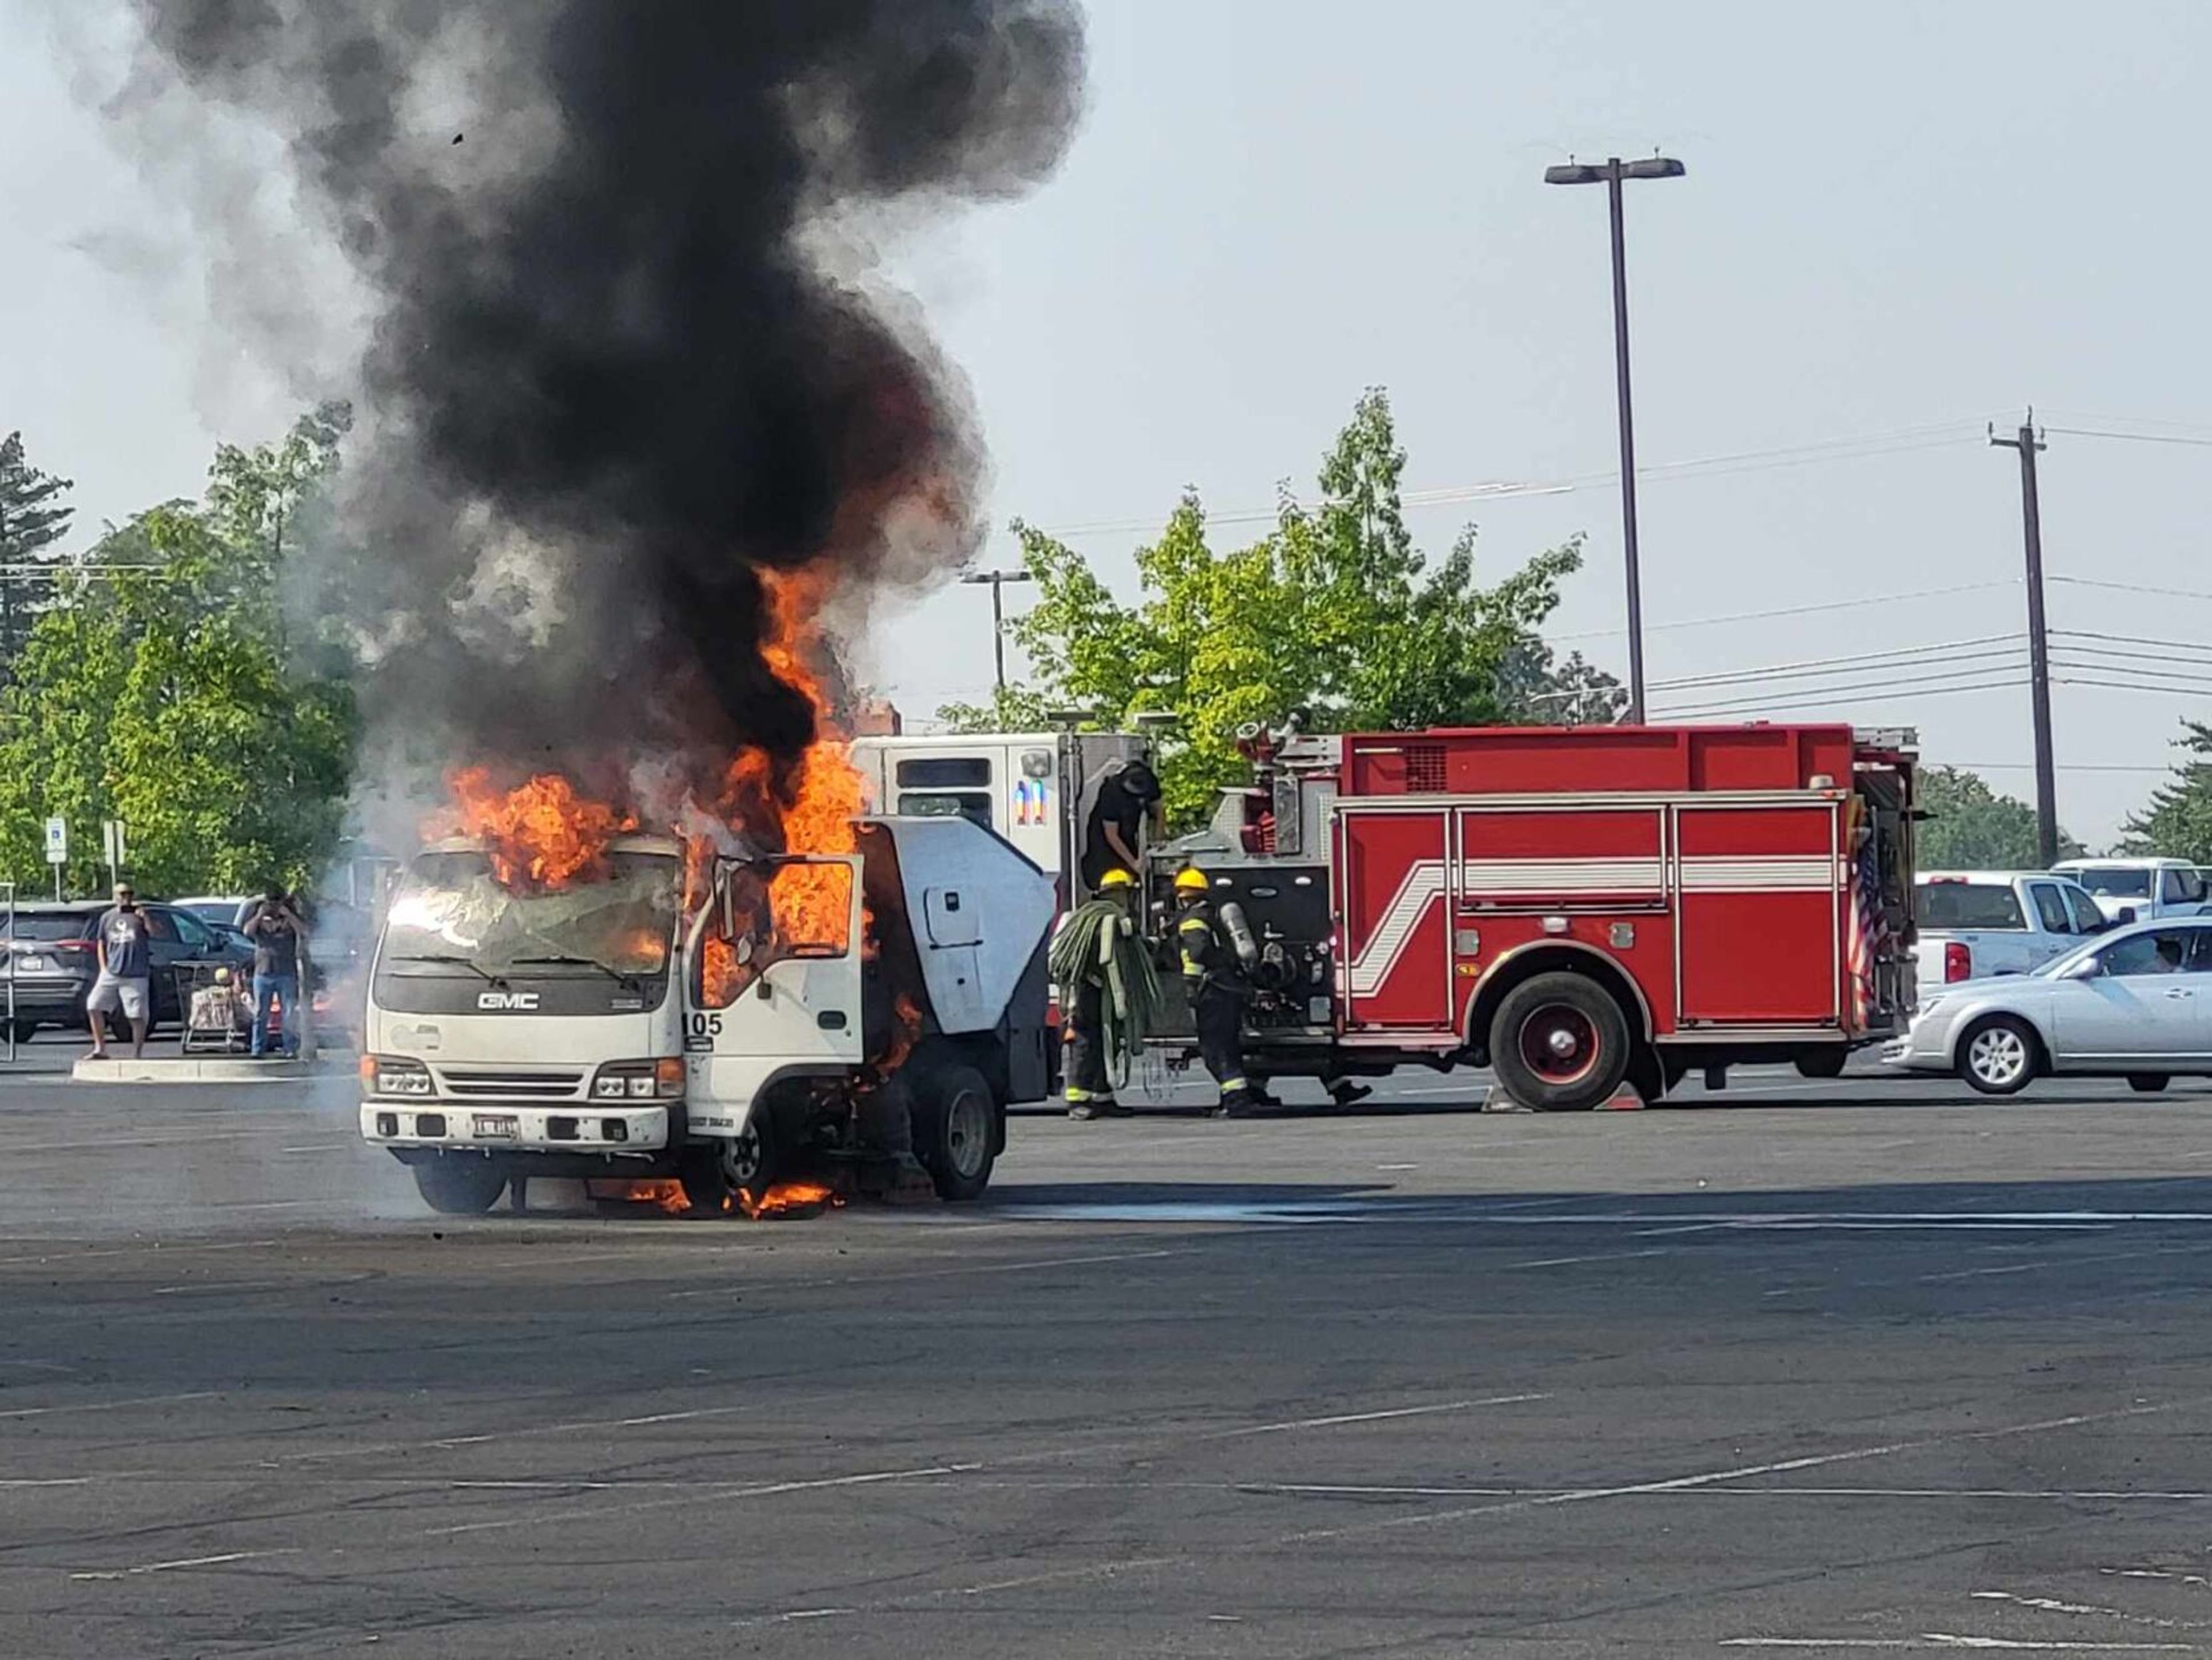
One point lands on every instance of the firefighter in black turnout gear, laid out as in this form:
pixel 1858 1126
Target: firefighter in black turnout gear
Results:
pixel 1215 980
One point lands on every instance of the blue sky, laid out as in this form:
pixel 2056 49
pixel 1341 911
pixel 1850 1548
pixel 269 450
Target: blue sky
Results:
pixel 1900 222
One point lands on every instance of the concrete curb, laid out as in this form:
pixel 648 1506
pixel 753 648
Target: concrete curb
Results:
pixel 201 1069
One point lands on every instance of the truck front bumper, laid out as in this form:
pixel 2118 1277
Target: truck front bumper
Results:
pixel 610 1129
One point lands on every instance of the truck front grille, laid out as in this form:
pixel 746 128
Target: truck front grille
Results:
pixel 474 1083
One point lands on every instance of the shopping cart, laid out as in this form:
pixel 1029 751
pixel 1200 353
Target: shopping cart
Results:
pixel 218 1009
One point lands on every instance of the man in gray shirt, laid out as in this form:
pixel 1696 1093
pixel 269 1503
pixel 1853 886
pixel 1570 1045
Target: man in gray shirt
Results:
pixel 276 932
pixel 125 983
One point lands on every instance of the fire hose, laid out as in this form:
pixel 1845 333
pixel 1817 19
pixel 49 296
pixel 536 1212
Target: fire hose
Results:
pixel 1098 946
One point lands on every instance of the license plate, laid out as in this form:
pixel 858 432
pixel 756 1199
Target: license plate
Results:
pixel 35 964
pixel 503 1127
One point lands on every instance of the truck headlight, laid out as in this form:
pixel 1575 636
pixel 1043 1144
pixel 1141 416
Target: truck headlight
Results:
pixel 387 1074
pixel 639 1080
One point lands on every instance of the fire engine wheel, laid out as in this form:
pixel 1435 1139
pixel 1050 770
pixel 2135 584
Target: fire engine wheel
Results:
pixel 460 1187
pixel 957 1132
pixel 1560 1044
pixel 1999 1057
pixel 1823 1063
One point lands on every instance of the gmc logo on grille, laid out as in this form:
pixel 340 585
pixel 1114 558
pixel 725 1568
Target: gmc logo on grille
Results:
pixel 508 1002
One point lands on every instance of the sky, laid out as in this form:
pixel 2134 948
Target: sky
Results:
pixel 1900 223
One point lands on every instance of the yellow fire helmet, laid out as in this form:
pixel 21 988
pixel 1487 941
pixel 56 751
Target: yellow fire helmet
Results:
pixel 1116 878
pixel 1189 880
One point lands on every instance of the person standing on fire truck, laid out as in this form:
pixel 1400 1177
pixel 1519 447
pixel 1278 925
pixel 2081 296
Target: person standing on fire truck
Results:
pixel 1213 976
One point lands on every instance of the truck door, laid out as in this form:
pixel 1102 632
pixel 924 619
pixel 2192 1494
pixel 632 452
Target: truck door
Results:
pixel 772 983
pixel 1395 946
pixel 1762 892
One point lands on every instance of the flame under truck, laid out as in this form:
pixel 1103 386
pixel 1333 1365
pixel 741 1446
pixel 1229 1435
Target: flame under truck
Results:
pixel 1576 908
pixel 835 1007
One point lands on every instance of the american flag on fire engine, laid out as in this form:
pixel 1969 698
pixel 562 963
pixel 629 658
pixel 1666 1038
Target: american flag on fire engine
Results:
pixel 1868 921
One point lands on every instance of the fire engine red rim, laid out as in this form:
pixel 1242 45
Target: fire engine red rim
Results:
pixel 1560 1043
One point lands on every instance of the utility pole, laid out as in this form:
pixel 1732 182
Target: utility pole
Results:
pixel 998 581
pixel 2029 443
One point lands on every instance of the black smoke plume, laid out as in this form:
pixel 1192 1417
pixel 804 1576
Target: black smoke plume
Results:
pixel 624 355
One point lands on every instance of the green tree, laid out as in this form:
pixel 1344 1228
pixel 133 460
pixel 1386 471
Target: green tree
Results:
pixel 33 517
pixel 1335 612
pixel 1969 826
pixel 168 698
pixel 2177 823
pixel 1011 708
pixel 1542 689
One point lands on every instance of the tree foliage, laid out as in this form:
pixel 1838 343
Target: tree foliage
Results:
pixel 1970 827
pixel 171 698
pixel 1335 612
pixel 34 516
pixel 2177 823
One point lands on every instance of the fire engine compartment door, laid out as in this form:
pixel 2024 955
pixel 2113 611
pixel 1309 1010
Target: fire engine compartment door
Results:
pixel 772 983
pixel 1760 927
pixel 1395 948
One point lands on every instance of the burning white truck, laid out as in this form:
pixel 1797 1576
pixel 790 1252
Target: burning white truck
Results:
pixel 834 1008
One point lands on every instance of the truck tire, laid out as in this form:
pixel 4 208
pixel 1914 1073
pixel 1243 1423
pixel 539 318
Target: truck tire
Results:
pixel 460 1187
pixel 1823 1062
pixel 956 1131
pixel 1560 1044
pixel 1999 1055
pixel 721 1177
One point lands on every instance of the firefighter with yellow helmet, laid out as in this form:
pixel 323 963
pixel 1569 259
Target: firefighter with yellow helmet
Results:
pixel 1214 978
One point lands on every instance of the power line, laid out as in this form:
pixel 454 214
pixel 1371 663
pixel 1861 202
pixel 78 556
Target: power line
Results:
pixel 2133 437
pixel 1819 608
pixel 2029 766
pixel 2130 640
pixel 2124 685
pixel 1950 651
pixel 1872 690
pixel 1932 436
pixel 2133 587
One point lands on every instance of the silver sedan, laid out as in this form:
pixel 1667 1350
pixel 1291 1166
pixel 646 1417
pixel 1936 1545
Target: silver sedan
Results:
pixel 2135 1004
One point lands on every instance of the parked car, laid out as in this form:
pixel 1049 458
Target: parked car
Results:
pixel 2149 888
pixel 50 952
pixel 1978 924
pixel 219 910
pixel 2136 1003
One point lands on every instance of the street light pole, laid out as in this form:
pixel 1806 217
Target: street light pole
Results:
pixel 1611 175
pixel 998 581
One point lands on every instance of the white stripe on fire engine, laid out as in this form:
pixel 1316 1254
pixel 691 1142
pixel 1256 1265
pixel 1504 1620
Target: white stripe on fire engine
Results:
pixel 1796 874
pixel 1422 886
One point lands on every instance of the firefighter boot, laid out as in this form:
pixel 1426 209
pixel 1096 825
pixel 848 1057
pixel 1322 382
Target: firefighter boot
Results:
pixel 1345 1093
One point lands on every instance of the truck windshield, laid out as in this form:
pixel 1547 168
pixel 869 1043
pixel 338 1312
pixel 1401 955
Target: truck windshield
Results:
pixel 1979 905
pixel 450 910
pixel 2114 884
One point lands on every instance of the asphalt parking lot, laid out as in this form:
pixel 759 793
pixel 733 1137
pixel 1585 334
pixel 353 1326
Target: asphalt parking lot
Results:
pixel 1856 1367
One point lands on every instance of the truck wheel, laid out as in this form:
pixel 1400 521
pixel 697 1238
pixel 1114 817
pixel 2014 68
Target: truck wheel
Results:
pixel 723 1176
pixel 458 1186
pixel 1998 1056
pixel 1560 1044
pixel 957 1132
pixel 2147 1083
pixel 1823 1062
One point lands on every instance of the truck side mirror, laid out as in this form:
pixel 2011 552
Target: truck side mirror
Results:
pixel 2127 916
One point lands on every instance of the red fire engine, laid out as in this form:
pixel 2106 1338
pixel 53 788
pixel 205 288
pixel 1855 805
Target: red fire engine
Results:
pixel 1575 907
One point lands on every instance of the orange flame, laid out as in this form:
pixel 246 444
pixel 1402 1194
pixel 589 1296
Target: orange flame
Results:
pixel 541 834
pixel 791 1198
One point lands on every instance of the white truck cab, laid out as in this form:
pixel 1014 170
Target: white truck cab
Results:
pixel 864 1005
pixel 2150 888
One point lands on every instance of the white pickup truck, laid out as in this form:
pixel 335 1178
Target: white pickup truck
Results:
pixel 1976 924
pixel 2150 889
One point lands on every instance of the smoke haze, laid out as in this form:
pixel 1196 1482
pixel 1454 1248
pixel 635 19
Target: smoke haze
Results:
pixel 605 387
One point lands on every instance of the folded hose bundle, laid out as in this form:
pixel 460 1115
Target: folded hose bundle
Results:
pixel 1097 946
